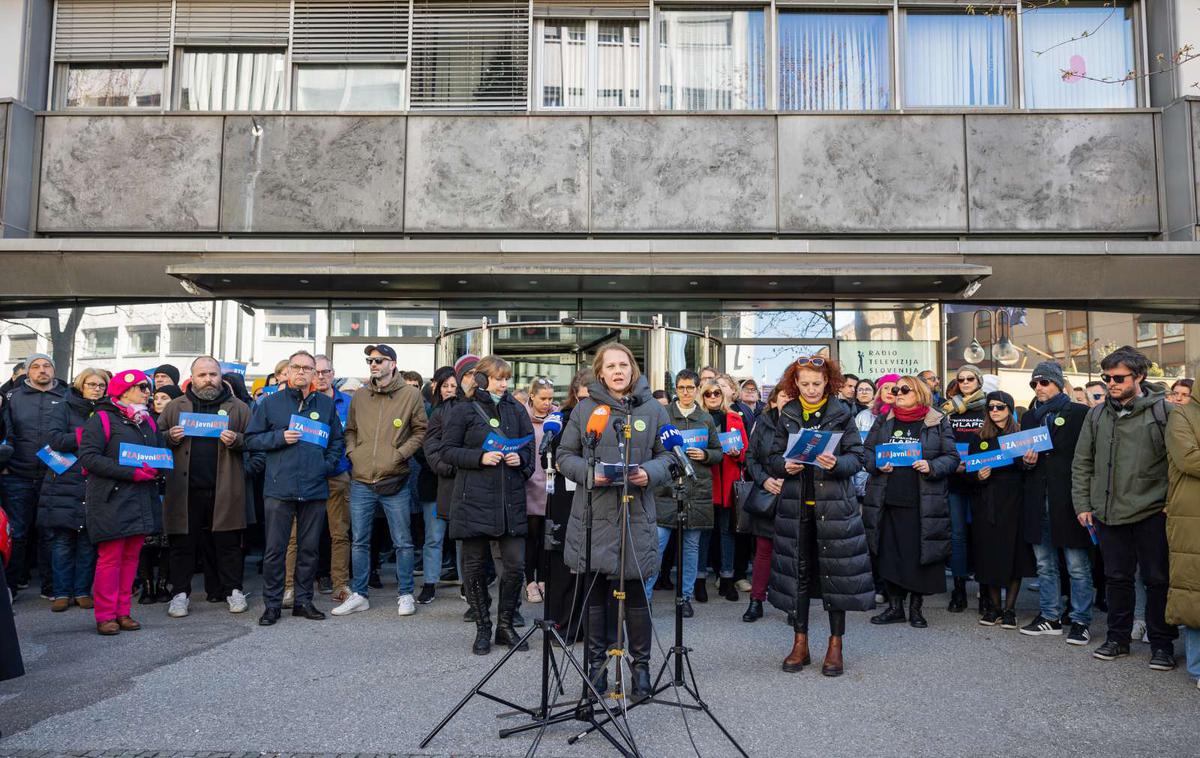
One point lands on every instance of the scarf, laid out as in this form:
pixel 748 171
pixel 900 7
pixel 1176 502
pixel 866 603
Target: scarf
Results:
pixel 908 415
pixel 138 414
pixel 811 409
pixel 1052 407
pixel 960 404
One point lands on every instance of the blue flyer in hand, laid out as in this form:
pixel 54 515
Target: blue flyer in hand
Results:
pixel 694 438
pixel 990 459
pixel 56 461
pixel 203 424
pixel 229 367
pixel 1018 443
pixel 311 430
pixel 135 455
pixel 731 442
pixel 497 444
pixel 963 449
pixel 804 446
pixel 897 453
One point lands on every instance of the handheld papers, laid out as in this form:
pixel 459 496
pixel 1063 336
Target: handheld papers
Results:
pixel 694 438
pixel 135 455
pixel 311 430
pixel 731 442
pixel 615 472
pixel 897 453
pixel 1018 443
pixel 497 444
pixel 990 459
pixel 56 461
pixel 203 424
pixel 805 445
pixel 228 367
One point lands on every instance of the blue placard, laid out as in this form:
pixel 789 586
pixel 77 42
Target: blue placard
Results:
pixel 990 459
pixel 203 424
pixel 269 389
pixel 897 453
pixel 311 430
pixel 731 442
pixel 497 444
pixel 56 461
pixel 962 448
pixel 805 445
pixel 135 455
pixel 229 367
pixel 1018 443
pixel 697 438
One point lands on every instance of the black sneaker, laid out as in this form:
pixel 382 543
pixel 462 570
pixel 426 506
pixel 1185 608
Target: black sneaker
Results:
pixel 990 617
pixel 1042 626
pixel 1079 635
pixel 1162 660
pixel 1008 619
pixel 688 611
pixel 427 593
pixel 1110 651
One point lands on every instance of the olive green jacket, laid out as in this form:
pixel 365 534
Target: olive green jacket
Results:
pixel 1183 515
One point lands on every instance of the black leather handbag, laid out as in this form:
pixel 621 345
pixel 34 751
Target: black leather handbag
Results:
pixel 754 500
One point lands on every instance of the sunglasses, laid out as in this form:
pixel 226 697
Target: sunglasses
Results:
pixel 997 407
pixel 810 360
pixel 714 393
pixel 967 378
pixel 144 387
pixel 1040 383
pixel 904 390
pixel 375 361
pixel 1115 378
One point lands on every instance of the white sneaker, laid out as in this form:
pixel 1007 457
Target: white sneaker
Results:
pixel 742 585
pixel 405 605
pixel 236 601
pixel 353 604
pixel 289 598
pixel 179 606
pixel 1139 631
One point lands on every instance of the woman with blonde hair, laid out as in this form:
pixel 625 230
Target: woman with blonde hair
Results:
pixel 716 400
pixel 539 406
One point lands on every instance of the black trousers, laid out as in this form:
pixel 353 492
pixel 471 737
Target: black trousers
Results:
pixel 535 567
pixel 278 515
pixel 476 550
pixel 221 552
pixel 1126 548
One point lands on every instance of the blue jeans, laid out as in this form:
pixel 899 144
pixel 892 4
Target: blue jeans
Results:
pixel 1191 639
pixel 431 553
pixel 73 563
pixel 363 500
pixel 20 500
pixel 960 507
pixel 724 528
pixel 691 556
pixel 1079 567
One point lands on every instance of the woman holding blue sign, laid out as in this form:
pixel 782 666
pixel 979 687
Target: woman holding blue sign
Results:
pixel 122 496
pixel 910 455
pixel 820 547
pixel 731 431
pixel 1002 556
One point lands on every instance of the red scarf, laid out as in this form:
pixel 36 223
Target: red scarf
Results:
pixel 912 414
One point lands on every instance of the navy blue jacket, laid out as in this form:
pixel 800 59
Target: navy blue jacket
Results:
pixel 29 419
pixel 61 504
pixel 299 471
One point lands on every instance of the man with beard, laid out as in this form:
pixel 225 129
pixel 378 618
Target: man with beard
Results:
pixel 204 510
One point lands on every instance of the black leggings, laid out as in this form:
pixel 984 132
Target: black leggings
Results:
pixel 600 592
pixel 535 569
pixel 475 552
pixel 837 619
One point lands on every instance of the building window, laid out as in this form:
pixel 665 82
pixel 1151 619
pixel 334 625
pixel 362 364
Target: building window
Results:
pixel 187 339
pixel 143 341
pixel 1146 333
pixel 108 86
pixel 1172 331
pixel 956 60
pixel 21 346
pixel 1066 47
pixel 834 61
pixel 355 323
pixel 230 80
pixel 590 64
pixel 711 60
pixel 349 88
pixel 100 343
pixel 289 325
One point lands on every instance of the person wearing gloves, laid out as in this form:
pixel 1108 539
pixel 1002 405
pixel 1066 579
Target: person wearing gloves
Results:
pixel 122 501
pixel 622 390
pixel 964 406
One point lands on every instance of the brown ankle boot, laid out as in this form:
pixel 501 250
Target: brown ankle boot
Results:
pixel 127 624
pixel 799 657
pixel 833 658
pixel 107 628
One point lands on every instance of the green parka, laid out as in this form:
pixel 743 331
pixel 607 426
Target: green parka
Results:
pixel 698 492
pixel 1183 515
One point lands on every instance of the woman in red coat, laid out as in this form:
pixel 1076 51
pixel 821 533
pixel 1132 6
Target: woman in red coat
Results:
pixel 728 471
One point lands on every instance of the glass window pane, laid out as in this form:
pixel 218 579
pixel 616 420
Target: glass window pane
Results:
pixel 230 80
pixel 100 342
pixel 349 88
pixel 187 339
pixel 619 65
pixel 114 87
pixel 143 341
pixel 1065 44
pixel 711 60
pixel 834 61
pixel 21 346
pixel 956 59
pixel 564 64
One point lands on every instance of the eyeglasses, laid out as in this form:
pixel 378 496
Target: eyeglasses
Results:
pixel 1040 383
pixel 1115 378
pixel 904 390
pixel 301 369
pixel 810 360
pixel 94 385
pixel 714 393
pixel 997 407
pixel 967 378
pixel 373 361
pixel 325 372
pixel 685 388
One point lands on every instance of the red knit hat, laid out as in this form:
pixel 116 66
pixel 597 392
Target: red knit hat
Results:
pixel 123 380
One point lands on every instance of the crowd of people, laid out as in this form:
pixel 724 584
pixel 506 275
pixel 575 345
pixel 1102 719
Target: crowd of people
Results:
pixel 125 484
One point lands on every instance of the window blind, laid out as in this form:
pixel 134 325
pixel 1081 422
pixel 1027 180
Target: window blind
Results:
pixel 347 31
pixel 112 30
pixel 591 8
pixel 469 54
pixel 222 22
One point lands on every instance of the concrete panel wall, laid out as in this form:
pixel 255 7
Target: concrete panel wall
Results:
pixel 321 174
pixel 19 133
pixel 1062 173
pixel 683 174
pixel 135 173
pixel 1179 163
pixel 500 175
pixel 885 174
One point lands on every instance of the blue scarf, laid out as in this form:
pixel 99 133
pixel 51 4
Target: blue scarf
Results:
pixel 1044 413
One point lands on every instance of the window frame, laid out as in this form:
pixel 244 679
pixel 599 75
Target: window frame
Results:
pixel 776 74
pixel 89 350
pixel 592 43
pixel 62 72
pixel 132 332
pixel 1013 77
pixel 171 347
pixel 23 339
pixel 279 316
pixel 177 75
pixel 294 84
pixel 770 54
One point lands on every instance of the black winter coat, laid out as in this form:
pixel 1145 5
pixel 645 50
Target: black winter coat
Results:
pixel 117 506
pixel 1050 478
pixel 698 492
pixel 299 471
pixel 844 564
pixel 758 455
pixel 937 447
pixel 61 503
pixel 488 501
pixel 27 419
pixel 432 447
pixel 558 503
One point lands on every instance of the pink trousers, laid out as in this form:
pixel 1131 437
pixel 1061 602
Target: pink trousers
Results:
pixel 116 567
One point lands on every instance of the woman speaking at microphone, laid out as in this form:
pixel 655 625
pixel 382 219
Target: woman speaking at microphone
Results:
pixel 820 546
pixel 620 390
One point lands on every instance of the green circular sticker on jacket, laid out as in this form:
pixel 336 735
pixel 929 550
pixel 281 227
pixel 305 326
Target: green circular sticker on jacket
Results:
pixel 494 423
pixel 898 433
pixel 983 446
pixel 314 415
pixel 639 425
pixel 222 412
pixel 1059 421
pixel 397 422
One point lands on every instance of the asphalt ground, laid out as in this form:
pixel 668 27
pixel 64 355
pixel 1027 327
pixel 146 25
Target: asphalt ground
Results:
pixel 376 683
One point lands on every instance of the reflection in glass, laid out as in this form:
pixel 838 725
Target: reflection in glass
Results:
pixel 711 60
pixel 956 59
pixel 114 87
pixel 1053 44
pixel 349 88
pixel 834 61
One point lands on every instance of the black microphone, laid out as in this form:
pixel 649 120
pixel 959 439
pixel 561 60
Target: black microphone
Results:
pixel 672 440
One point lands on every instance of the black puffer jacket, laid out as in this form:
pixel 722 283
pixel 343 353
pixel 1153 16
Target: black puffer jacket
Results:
pixel 844 565
pixel 698 492
pixel 61 504
pixel 27 419
pixel 758 459
pixel 937 447
pixel 488 501
pixel 433 447
pixel 117 506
